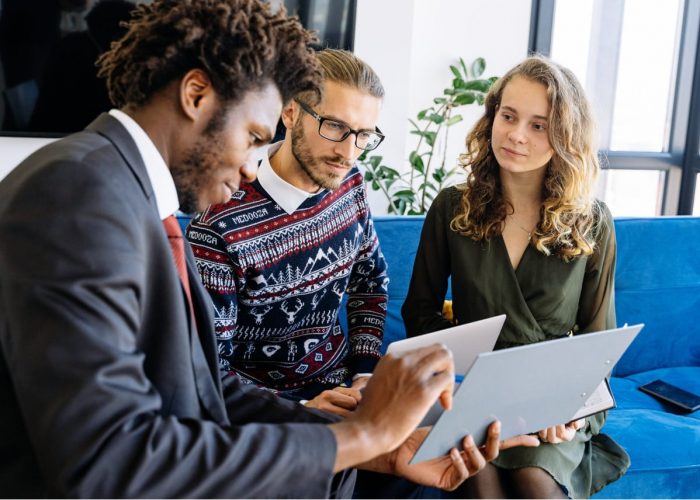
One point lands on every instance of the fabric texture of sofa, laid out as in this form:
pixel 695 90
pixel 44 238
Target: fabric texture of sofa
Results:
pixel 657 282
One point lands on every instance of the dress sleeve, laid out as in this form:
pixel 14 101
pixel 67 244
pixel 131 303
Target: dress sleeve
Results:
pixel 596 309
pixel 597 303
pixel 422 309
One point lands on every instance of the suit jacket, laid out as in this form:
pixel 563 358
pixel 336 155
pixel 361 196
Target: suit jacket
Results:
pixel 105 387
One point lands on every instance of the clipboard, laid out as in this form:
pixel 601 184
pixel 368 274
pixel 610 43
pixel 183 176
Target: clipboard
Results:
pixel 601 399
pixel 465 341
pixel 527 388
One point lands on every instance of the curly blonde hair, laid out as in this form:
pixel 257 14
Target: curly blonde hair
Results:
pixel 568 214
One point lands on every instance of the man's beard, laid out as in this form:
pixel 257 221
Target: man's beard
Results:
pixel 310 165
pixel 198 166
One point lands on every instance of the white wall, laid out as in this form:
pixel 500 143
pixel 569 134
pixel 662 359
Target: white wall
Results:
pixel 15 149
pixel 411 43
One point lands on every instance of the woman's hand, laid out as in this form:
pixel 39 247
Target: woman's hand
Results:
pixel 561 433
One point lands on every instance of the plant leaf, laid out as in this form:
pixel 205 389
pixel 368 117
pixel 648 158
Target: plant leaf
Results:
pixel 464 67
pixel 458 83
pixel 427 186
pixel 389 172
pixel 454 119
pixel 436 118
pixel 423 112
pixel 478 67
pixel 455 72
pixel 465 98
pixel 417 163
pixel 480 85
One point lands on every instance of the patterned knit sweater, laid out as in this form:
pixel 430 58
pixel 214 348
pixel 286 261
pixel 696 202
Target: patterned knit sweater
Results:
pixel 277 281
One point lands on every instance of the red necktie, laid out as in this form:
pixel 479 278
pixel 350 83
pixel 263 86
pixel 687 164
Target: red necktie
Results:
pixel 177 246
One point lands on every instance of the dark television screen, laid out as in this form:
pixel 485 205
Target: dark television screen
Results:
pixel 48 49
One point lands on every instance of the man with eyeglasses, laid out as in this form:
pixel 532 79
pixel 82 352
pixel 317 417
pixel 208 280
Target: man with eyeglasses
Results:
pixel 281 255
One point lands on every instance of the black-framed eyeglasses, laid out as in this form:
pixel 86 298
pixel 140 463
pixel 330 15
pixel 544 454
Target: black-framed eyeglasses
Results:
pixel 336 131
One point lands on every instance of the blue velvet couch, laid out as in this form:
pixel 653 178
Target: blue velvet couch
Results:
pixel 657 282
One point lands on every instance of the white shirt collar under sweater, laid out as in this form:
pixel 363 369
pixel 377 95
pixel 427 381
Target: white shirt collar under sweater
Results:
pixel 158 172
pixel 283 193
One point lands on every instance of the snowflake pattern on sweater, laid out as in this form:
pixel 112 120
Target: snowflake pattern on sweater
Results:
pixel 277 281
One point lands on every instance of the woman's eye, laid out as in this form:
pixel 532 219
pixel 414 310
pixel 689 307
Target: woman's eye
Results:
pixel 540 127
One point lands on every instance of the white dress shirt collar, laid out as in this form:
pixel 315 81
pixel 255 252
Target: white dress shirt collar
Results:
pixel 158 172
pixel 283 193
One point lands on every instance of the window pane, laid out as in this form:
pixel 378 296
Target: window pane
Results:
pixel 632 192
pixel 696 202
pixel 571 36
pixel 646 75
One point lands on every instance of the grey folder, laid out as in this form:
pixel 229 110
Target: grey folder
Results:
pixel 527 388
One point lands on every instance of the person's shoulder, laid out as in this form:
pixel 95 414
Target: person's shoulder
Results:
pixel 448 199
pixel 601 211
pixel 71 160
pixel 215 214
pixel 603 220
pixel 81 173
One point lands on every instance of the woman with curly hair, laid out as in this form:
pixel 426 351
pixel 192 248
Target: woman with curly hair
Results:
pixel 525 237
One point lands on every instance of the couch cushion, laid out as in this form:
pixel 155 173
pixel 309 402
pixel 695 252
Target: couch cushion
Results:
pixel 657 282
pixel 665 453
pixel 629 397
pixel 663 443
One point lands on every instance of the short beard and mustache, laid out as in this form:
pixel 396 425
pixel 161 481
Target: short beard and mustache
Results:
pixel 200 162
pixel 310 165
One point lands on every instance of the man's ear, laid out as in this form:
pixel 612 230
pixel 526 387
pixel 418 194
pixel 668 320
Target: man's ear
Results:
pixel 290 113
pixel 197 95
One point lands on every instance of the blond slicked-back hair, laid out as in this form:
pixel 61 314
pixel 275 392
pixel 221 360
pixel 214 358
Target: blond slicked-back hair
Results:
pixel 568 214
pixel 345 68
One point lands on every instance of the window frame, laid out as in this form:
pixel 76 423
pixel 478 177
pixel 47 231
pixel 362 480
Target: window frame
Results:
pixel 681 163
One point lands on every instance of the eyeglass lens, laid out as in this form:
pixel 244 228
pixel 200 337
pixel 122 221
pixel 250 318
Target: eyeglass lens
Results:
pixel 336 131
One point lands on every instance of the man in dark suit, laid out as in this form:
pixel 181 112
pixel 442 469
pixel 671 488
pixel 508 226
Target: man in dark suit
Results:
pixel 109 384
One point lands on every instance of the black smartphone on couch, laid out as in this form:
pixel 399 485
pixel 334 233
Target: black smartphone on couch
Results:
pixel 668 393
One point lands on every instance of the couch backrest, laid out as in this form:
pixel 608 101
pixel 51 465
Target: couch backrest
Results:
pixel 657 282
pixel 398 237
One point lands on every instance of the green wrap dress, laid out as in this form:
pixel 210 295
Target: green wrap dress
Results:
pixel 544 298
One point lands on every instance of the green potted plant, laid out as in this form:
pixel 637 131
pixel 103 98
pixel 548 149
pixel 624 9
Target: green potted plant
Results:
pixel 412 192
